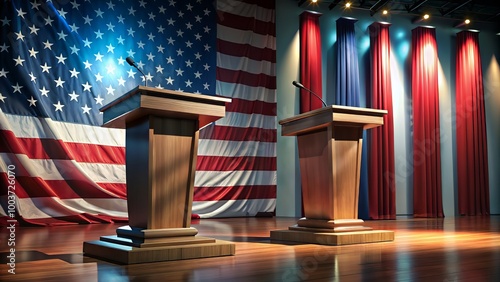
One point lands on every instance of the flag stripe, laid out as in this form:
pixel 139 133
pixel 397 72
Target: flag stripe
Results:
pixel 247 64
pixel 238 134
pixel 235 163
pixel 241 37
pixel 236 148
pixel 246 92
pixel 235 193
pixel 249 107
pixel 249 22
pixel 248 120
pixel 246 50
pixel 247 78
pixel 263 11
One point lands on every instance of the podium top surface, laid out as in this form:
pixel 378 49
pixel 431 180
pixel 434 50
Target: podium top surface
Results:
pixel 338 115
pixel 143 101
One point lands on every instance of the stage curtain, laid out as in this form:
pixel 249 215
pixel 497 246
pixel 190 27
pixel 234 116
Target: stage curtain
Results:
pixel 381 173
pixel 347 94
pixel 310 61
pixel 472 155
pixel 427 195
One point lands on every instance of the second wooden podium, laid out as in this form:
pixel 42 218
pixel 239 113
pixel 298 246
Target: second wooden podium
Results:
pixel 330 142
pixel 161 151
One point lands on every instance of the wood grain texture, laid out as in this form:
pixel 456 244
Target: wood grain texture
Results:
pixel 449 249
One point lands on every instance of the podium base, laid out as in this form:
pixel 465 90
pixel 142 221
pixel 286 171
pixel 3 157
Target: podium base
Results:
pixel 333 238
pixel 136 245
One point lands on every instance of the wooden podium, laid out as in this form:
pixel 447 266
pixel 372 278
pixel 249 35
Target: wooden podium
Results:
pixel 330 143
pixel 161 149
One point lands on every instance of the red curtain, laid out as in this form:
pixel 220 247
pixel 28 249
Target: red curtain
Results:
pixel 381 176
pixel 310 61
pixel 427 195
pixel 472 155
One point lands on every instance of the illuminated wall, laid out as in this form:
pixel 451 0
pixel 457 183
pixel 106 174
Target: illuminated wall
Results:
pixel 288 199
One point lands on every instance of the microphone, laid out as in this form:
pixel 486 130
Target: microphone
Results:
pixel 299 85
pixel 131 62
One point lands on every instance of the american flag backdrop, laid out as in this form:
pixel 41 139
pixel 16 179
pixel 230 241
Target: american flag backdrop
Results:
pixel 63 60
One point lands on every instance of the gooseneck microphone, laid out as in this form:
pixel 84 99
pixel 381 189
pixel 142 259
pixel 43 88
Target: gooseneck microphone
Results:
pixel 131 62
pixel 299 85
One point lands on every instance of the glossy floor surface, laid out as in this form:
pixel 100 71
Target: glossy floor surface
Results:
pixel 450 249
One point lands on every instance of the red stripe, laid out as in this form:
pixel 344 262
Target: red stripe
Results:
pixel 246 50
pixel 246 78
pixel 234 193
pixel 246 23
pixel 213 163
pixel 36 148
pixel 251 107
pixel 261 3
pixel 218 132
pixel 33 187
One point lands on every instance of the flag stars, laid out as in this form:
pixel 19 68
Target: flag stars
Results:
pixel 197 55
pixel 189 44
pixel 87 64
pixel 111 6
pixel 62 13
pixel 19 61
pixel 151 57
pixel 161 29
pixel 159 69
pixel 86 109
pixel 171 21
pixel 189 7
pixel 179 72
pixel 87 20
pixel 110 48
pixel 74 73
pixel 2 98
pixel 17 88
pixel 197 74
pixel 131 73
pixel 162 9
pixel 87 43
pixel 140 45
pixel 180 14
pixel 207 47
pixel 99 13
pixel 120 40
pixel 180 33
pixel 59 82
pixel 44 92
pixel 74 28
pixel 48 21
pixel 121 19
pixel 45 68
pixel 98 56
pixel 34 30
pixel 206 29
pixel 151 36
pixel 47 45
pixel 75 5
pixel 131 32
pixel 170 80
pixel 74 50
pixel 179 52
pixel 99 77
pixel 62 35
pixel 111 27
pixel 189 26
pixel 206 67
pixel 3 73
pixel 61 59
pixel 98 34
pixel 131 11
pixel 198 36
pixel 19 36
pixel 170 41
pixel 33 52
pixel 5 21
pixel 121 81
pixel 74 96
pixel 32 101
pixel 58 106
pixel 171 3
pixel 141 23
pixel 142 4
pixel 4 47
pixel 188 83
pixel 197 19
pixel 206 86
pixel 206 12
pixel 160 49
pixel 121 61
pixel 98 100
pixel 111 90
pixel 86 86
pixel 152 16
pixel 32 77
pixel 170 60
pixel 189 63
pixel 20 13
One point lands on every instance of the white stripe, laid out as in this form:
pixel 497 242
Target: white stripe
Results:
pixel 233 208
pixel 246 37
pixel 32 127
pixel 50 169
pixel 246 64
pixel 234 178
pixel 46 207
pixel 246 92
pixel 248 120
pixel 220 148
pixel 246 10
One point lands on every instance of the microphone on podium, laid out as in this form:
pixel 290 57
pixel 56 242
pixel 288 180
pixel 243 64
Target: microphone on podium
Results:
pixel 299 85
pixel 131 62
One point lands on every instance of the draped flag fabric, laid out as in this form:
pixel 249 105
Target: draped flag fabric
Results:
pixel 472 152
pixel 381 174
pixel 310 61
pixel 62 61
pixel 347 94
pixel 427 194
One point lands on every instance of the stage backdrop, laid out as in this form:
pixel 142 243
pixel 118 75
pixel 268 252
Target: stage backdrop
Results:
pixel 61 61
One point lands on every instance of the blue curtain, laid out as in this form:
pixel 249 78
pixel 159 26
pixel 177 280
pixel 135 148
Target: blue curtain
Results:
pixel 348 92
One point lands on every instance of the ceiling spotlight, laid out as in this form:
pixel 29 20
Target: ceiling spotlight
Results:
pixel 426 16
pixel 348 4
pixel 385 12
pixel 314 1
pixel 467 21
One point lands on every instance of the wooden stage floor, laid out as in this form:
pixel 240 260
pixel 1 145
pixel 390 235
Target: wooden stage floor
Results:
pixel 450 249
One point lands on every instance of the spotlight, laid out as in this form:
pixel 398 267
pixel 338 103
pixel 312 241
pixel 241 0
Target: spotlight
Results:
pixel 348 4
pixel 462 23
pixel 385 12
pixel 467 21
pixel 420 19
pixel 426 16
pixel 314 1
